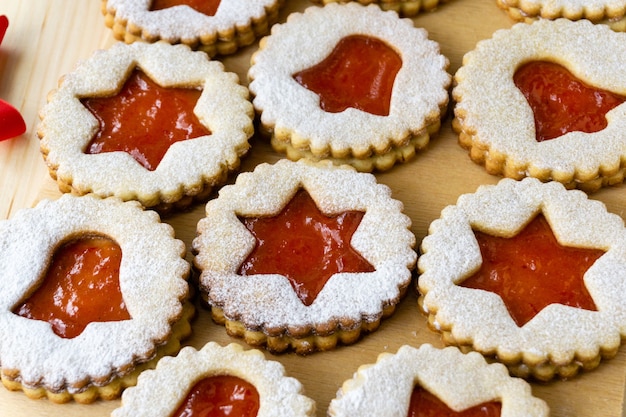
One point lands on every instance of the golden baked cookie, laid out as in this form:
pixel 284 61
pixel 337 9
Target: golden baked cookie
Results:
pixel 194 378
pixel 292 255
pixel 529 274
pixel 214 27
pixel 105 131
pixel 369 91
pixel 545 100
pixel 597 11
pixel 435 380
pixel 405 8
pixel 93 291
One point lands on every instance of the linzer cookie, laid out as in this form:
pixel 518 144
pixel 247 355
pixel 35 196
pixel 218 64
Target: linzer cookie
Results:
pixel 215 27
pixel 349 83
pixel 106 130
pixel 93 292
pixel 545 100
pixel 529 274
pixel 292 256
pixel 216 378
pixel 426 381
pixel 597 11
pixel 405 8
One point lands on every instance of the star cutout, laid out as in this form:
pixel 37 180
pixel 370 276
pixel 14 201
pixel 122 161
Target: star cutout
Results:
pixel 304 245
pixel 80 286
pixel 532 270
pixel 144 119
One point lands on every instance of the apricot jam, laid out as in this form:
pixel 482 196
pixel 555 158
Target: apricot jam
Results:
pixel 144 119
pixel 425 404
pixel 81 286
pixel 532 270
pixel 220 396
pixel 207 7
pixel 359 73
pixel 560 102
pixel 304 245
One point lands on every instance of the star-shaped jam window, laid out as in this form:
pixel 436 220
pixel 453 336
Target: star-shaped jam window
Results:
pixel 532 270
pixel 80 286
pixel 144 119
pixel 304 245
pixel 207 7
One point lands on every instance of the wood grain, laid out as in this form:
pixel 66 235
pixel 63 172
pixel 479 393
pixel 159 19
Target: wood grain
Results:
pixel 46 38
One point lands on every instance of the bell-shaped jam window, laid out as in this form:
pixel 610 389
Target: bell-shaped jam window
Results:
pixel 561 103
pixel 81 285
pixel 360 72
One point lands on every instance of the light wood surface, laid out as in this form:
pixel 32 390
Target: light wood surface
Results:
pixel 46 38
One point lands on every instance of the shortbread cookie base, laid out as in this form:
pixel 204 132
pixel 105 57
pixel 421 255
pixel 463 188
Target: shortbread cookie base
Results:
pixel 596 11
pixel 181 330
pixel 303 341
pixel 496 124
pixel 152 279
pixel 222 39
pixel 405 8
pixel 292 114
pixel 189 170
pixel 461 381
pixel 560 340
pixel 264 309
pixel 378 162
pixel 279 395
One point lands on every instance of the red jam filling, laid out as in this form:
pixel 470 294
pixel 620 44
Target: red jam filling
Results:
pixel 359 73
pixel 304 245
pixel 144 119
pixel 532 270
pixel 560 102
pixel 207 7
pixel 81 286
pixel 425 404
pixel 220 396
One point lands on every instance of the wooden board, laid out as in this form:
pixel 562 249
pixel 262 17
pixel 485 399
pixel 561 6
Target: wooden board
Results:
pixel 45 40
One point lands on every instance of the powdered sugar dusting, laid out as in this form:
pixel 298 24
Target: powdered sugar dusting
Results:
pixel 494 115
pixel 268 301
pixel 419 94
pixel 160 391
pixel 188 167
pixel 460 380
pixel 152 278
pixel 480 319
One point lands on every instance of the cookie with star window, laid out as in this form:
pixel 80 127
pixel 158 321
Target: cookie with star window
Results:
pixel 291 256
pixel 529 274
pixel 107 130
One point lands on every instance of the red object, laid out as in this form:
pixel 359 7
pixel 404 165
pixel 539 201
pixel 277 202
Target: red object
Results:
pixel 4 24
pixel 11 121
